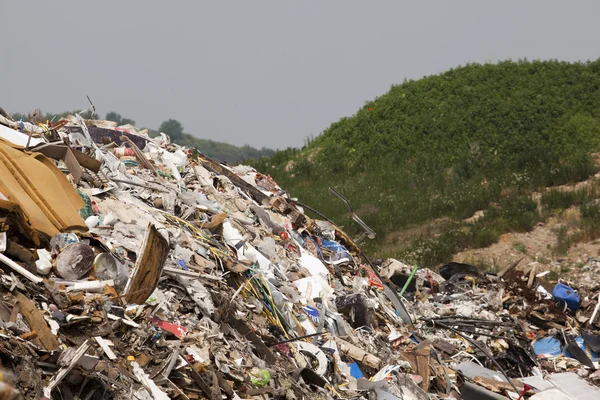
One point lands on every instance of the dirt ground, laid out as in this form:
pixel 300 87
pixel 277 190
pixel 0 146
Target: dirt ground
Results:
pixel 538 245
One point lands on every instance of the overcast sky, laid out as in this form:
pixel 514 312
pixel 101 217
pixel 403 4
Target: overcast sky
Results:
pixel 264 73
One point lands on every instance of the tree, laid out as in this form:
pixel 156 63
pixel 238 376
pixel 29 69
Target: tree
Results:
pixel 127 121
pixel 37 116
pixel 19 117
pixel 116 117
pixel 173 128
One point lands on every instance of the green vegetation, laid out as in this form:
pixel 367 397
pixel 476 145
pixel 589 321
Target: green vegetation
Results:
pixel 116 117
pixel 520 247
pixel 173 128
pixel 553 276
pixel 478 137
pixel 588 227
pixel 556 199
pixel 543 260
pixel 512 214
pixel 581 226
pixel 38 116
pixel 217 150
pixel 590 220
pixel 563 240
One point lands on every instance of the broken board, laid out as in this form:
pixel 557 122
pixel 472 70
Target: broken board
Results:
pixel 36 322
pixel 419 360
pixel 148 267
pixel 72 158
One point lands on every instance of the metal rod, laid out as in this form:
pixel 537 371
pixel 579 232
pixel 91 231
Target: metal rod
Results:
pixel 299 338
pixel 138 184
pixel 484 351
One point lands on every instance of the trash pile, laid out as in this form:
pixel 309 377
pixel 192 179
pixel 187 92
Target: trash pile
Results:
pixel 134 268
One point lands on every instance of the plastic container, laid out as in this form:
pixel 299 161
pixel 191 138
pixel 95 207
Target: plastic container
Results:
pixel 565 294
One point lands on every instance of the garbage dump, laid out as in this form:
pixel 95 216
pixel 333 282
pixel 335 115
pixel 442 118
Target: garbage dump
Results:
pixel 134 268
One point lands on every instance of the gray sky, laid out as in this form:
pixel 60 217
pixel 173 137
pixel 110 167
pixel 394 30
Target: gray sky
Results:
pixel 264 73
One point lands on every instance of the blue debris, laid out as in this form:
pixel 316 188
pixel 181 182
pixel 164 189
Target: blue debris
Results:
pixel 313 313
pixel 547 347
pixel 565 294
pixel 355 371
pixel 183 265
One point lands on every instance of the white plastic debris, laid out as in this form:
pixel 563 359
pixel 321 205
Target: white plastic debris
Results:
pixel 44 263
pixel 148 383
pixel 92 221
pixel 90 286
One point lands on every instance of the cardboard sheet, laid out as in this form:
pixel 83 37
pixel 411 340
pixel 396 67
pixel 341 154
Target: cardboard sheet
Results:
pixel 41 190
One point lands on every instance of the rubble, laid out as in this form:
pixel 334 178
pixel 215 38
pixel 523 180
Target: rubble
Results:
pixel 132 267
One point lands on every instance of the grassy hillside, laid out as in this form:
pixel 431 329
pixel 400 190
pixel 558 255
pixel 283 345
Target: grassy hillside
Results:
pixel 420 159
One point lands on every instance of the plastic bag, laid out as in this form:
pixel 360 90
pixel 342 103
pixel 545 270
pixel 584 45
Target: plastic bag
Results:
pixel 259 377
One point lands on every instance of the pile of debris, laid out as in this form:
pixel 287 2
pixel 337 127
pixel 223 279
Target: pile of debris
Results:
pixel 134 268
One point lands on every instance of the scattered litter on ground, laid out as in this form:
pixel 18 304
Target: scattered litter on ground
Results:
pixel 134 268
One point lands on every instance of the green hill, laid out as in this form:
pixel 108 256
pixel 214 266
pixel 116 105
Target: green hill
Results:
pixel 420 159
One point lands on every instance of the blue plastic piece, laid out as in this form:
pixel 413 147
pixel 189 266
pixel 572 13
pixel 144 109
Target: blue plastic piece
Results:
pixel 414 338
pixel 313 313
pixel 338 250
pixel 355 371
pixel 183 265
pixel 547 347
pixel 566 295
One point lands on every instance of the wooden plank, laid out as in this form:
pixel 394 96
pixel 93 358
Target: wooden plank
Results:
pixel 73 165
pixel 509 267
pixel 148 267
pixel 208 382
pixel 423 360
pixel 86 161
pixel 139 155
pixel 37 323
pixel 64 371
pixel 498 386
pixel 105 345
pixel 358 354
pixel 5 312
pixel 532 275
pixel 419 360
pixel 179 271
